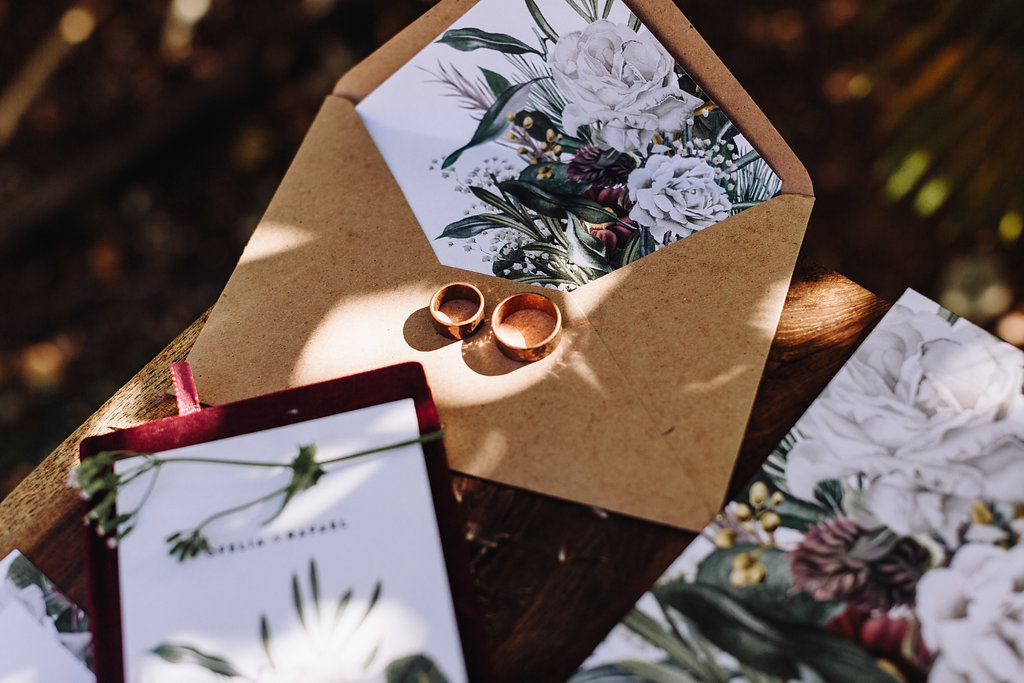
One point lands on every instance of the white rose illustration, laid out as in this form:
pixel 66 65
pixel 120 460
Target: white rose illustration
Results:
pixel 972 615
pixel 925 418
pixel 623 81
pixel 676 194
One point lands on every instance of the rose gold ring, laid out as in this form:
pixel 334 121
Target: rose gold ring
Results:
pixel 457 310
pixel 527 327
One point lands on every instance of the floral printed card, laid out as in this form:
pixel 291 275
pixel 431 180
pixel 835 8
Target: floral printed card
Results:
pixel 881 541
pixel 551 142
pixel 298 544
pixel 44 636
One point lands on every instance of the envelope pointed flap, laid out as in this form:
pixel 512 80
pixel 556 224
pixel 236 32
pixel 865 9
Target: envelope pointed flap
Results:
pixel 691 326
pixel 335 232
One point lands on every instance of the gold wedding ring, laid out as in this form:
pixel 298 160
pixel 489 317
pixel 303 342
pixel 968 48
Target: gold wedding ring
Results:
pixel 527 327
pixel 457 310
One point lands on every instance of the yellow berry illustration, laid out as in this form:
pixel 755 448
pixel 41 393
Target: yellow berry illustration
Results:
pixel 725 538
pixel 758 493
pixel 742 561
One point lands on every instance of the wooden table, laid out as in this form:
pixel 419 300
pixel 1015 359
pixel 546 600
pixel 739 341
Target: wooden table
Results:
pixel 553 577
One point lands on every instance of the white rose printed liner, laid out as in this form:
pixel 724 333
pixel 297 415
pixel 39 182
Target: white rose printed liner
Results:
pixel 608 130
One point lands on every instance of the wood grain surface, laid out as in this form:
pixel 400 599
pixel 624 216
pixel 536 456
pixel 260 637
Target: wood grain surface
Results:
pixel 552 576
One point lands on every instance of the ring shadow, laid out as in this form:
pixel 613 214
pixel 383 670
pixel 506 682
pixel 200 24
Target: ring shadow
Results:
pixel 482 355
pixel 480 352
pixel 420 334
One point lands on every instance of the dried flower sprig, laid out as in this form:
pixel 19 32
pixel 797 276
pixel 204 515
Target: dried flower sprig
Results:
pixel 96 480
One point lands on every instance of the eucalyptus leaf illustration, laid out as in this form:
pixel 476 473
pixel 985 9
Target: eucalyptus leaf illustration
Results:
pixel 772 597
pixel 774 647
pixel 373 602
pixel 469 39
pixel 184 654
pixel 656 672
pixel 265 639
pixel 606 673
pixel 639 245
pixel 493 200
pixel 585 249
pixel 492 123
pixel 695 661
pixel 414 669
pixel 553 204
pixel 471 226
pixel 542 23
pixel 495 81
pixel 297 601
pixel 314 585
pixel 339 610
pixel 799 514
pixel 748 158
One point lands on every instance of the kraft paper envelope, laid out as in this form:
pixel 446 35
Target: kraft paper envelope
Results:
pixel 642 407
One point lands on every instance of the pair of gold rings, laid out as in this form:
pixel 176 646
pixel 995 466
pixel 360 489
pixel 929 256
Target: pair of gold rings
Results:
pixel 527 327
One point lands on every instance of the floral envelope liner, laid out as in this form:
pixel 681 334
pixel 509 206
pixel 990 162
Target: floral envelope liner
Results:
pixel 881 541
pixel 553 141
pixel 23 584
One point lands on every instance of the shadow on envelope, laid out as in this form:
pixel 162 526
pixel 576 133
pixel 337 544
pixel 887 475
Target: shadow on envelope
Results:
pixel 642 407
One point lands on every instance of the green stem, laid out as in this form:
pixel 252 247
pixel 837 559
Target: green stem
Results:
pixel 423 438
pixel 677 649
pixel 146 494
pixel 541 22
pixel 579 10
pixel 238 508
pixel 151 463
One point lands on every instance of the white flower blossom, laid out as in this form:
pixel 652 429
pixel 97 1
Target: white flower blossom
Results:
pixel 924 420
pixel 621 80
pixel 676 195
pixel 972 615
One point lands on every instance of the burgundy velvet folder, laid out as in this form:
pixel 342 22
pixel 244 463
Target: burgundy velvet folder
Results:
pixel 278 409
